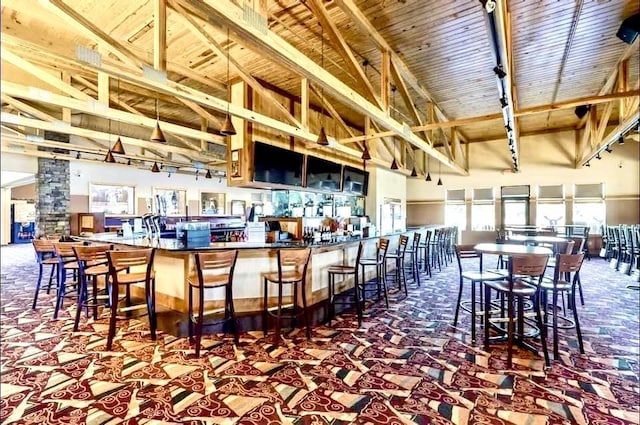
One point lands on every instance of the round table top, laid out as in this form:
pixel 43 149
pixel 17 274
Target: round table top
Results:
pixel 537 239
pixel 511 249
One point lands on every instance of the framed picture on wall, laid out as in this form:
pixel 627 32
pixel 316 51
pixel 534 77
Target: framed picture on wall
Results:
pixel 212 203
pixel 111 199
pixel 169 201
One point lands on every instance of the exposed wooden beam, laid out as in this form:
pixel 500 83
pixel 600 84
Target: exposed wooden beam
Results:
pixel 227 12
pixel 406 97
pixel 211 43
pixel 96 108
pixel 332 111
pixel 385 80
pixel 160 35
pixel 341 46
pixel 611 136
pixel 88 29
pixel 304 103
pixel 204 114
pixel 21 106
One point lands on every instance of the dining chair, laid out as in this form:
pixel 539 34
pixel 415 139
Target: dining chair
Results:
pixel 520 285
pixel 92 264
pixel 357 299
pixel 45 256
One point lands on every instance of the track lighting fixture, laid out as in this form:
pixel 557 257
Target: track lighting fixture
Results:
pixel 621 140
pixel 155 168
pixel 608 149
pixel 129 161
pixel 508 127
pixel 598 156
pixel 503 102
pixel 499 72
pixel 489 5
pixel 78 155
pixel 587 165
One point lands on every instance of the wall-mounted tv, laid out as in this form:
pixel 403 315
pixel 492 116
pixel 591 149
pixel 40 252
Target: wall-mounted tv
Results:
pixel 355 181
pixel 323 174
pixel 276 165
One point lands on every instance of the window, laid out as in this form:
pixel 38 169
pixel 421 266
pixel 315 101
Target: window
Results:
pixel 455 211
pixel 589 206
pixel 515 205
pixel 483 210
pixel 551 208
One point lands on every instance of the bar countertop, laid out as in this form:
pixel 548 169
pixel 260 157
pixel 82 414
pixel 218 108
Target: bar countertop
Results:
pixel 170 244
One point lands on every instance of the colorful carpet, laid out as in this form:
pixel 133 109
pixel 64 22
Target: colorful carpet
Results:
pixel 404 365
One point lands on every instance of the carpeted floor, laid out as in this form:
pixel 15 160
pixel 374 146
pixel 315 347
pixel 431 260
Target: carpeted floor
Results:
pixel 405 365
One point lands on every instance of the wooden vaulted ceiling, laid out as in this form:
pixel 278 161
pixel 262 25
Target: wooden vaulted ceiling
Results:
pixel 560 54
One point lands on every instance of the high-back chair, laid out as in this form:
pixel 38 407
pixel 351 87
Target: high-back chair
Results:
pixel 345 271
pixel 398 258
pixel 566 265
pixel 67 263
pixel 126 268
pixel 414 254
pixel 92 263
pixel 378 262
pixel 45 256
pixel 292 271
pixel 214 269
pixel 525 273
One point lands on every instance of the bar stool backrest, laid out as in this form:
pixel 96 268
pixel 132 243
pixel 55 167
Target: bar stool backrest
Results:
pixel 402 244
pixel 578 244
pixel 64 251
pixel 567 263
pixel 42 247
pixel 92 253
pixel 416 241
pixel 122 260
pixel 296 259
pixel 383 247
pixel 527 265
pixel 216 262
pixel 565 247
pixel 359 254
pixel 465 252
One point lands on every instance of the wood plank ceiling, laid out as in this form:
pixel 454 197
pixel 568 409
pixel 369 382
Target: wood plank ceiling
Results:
pixel 559 52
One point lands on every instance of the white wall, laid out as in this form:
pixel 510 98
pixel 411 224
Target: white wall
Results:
pixel 545 160
pixel 384 183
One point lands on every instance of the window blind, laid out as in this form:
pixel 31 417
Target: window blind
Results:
pixel 483 194
pixel 455 195
pixel 589 191
pixel 555 192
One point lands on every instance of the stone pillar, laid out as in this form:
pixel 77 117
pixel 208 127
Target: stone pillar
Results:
pixel 53 193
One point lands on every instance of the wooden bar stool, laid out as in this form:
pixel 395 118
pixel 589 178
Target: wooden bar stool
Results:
pixel 381 277
pixel 292 270
pixel 45 256
pixel 120 265
pixel 92 263
pixel 214 269
pixel 346 271
pixel 66 257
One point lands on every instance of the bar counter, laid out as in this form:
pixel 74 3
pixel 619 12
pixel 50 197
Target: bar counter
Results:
pixel 174 262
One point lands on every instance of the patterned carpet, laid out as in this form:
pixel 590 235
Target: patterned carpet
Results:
pixel 405 365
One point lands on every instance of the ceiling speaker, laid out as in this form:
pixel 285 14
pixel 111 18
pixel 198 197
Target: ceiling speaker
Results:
pixel 629 29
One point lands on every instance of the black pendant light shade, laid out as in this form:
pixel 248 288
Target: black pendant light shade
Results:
pixel 394 164
pixel 439 181
pixel 118 148
pixel 227 127
pixel 428 177
pixel 365 154
pixel 157 135
pixel 109 158
pixel 414 173
pixel 208 175
pixel 155 168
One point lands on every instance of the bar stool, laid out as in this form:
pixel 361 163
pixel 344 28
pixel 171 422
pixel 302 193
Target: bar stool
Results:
pixel 463 254
pixel 213 270
pixel 414 253
pixel 45 256
pixel 533 267
pixel 66 257
pixel 292 270
pixel 398 257
pixel 377 262
pixel 345 271
pixel 425 247
pixel 92 263
pixel 565 265
pixel 123 261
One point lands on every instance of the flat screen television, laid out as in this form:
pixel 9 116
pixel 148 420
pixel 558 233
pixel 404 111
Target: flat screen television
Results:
pixel 355 181
pixel 276 165
pixel 323 174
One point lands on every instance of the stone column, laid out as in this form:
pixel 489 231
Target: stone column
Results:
pixel 53 194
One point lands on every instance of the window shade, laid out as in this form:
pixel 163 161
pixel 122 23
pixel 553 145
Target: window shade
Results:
pixel 483 194
pixel 551 192
pixel 515 191
pixel 589 191
pixel 455 195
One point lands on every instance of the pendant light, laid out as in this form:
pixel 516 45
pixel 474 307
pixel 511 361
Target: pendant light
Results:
pixel 394 164
pixel 157 135
pixel 227 127
pixel 208 175
pixel 155 168
pixel 428 168
pixel 109 159
pixel 440 174
pixel 414 173
pixel 118 148
pixel 322 137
